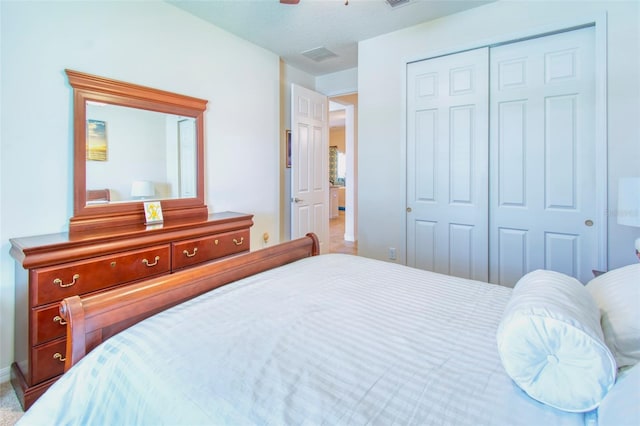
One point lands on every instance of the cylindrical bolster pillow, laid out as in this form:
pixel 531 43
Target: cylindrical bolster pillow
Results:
pixel 551 342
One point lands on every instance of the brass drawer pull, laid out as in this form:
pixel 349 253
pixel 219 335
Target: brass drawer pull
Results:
pixel 238 243
pixel 146 262
pixel 59 357
pixel 186 253
pixel 59 319
pixel 59 282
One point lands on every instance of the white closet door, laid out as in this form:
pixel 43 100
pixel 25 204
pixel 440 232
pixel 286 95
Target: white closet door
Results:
pixel 447 149
pixel 542 180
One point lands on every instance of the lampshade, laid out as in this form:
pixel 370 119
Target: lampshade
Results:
pixel 142 188
pixel 629 205
pixel 629 201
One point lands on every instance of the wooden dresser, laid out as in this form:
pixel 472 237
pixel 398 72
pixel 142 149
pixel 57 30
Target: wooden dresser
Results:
pixel 52 267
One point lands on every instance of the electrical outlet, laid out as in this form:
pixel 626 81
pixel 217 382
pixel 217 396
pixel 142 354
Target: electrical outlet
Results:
pixel 392 253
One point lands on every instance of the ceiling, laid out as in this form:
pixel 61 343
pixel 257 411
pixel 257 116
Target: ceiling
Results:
pixel 289 30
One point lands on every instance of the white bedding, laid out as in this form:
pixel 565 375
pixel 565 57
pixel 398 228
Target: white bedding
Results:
pixel 332 339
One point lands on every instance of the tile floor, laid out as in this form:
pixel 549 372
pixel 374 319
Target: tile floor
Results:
pixel 336 236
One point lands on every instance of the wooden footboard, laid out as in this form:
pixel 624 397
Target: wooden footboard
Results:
pixel 93 319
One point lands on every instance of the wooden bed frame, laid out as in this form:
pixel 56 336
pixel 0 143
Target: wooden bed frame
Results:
pixel 93 319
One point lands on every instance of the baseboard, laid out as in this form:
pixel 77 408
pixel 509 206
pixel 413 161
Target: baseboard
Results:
pixel 349 237
pixel 5 374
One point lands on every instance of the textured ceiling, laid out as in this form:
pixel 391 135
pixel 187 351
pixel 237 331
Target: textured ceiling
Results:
pixel 289 30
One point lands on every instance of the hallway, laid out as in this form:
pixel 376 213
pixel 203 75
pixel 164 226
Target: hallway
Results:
pixel 336 237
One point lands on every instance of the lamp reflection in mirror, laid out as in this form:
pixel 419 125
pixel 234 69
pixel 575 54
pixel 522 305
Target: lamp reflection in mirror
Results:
pixel 142 189
pixel 629 205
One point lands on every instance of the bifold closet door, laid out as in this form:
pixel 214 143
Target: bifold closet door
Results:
pixel 501 165
pixel 542 158
pixel 447 160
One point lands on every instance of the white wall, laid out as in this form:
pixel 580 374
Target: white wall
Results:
pixel 288 76
pixel 338 83
pixel 149 43
pixel 381 70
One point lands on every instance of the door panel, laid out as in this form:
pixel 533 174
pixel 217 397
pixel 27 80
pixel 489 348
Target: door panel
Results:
pixel 513 254
pixel 542 159
pixel 425 252
pixel 447 148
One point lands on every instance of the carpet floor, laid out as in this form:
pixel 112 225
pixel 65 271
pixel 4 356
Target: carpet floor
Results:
pixel 10 410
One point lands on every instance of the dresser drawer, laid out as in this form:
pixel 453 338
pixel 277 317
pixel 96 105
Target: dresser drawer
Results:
pixel 190 252
pixel 48 360
pixel 47 324
pixel 54 283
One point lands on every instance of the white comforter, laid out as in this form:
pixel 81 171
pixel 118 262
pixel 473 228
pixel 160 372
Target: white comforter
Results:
pixel 333 339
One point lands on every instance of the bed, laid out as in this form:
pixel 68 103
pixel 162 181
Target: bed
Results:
pixel 284 336
pixel 98 196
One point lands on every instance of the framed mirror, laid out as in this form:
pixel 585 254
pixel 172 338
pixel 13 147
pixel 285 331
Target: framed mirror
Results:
pixel 134 144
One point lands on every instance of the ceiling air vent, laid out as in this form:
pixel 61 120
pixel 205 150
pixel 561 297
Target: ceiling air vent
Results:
pixel 319 54
pixel 396 3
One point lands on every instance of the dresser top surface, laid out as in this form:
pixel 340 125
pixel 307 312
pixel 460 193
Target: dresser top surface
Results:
pixel 121 237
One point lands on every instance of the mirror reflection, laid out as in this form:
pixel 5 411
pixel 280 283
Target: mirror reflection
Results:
pixel 135 154
pixel 337 166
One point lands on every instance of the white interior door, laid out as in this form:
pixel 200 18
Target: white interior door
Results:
pixel 309 164
pixel 447 177
pixel 543 198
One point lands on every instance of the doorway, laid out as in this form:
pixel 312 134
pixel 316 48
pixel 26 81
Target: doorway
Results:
pixel 343 173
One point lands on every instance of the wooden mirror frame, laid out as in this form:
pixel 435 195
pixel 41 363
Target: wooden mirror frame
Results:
pixel 87 87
